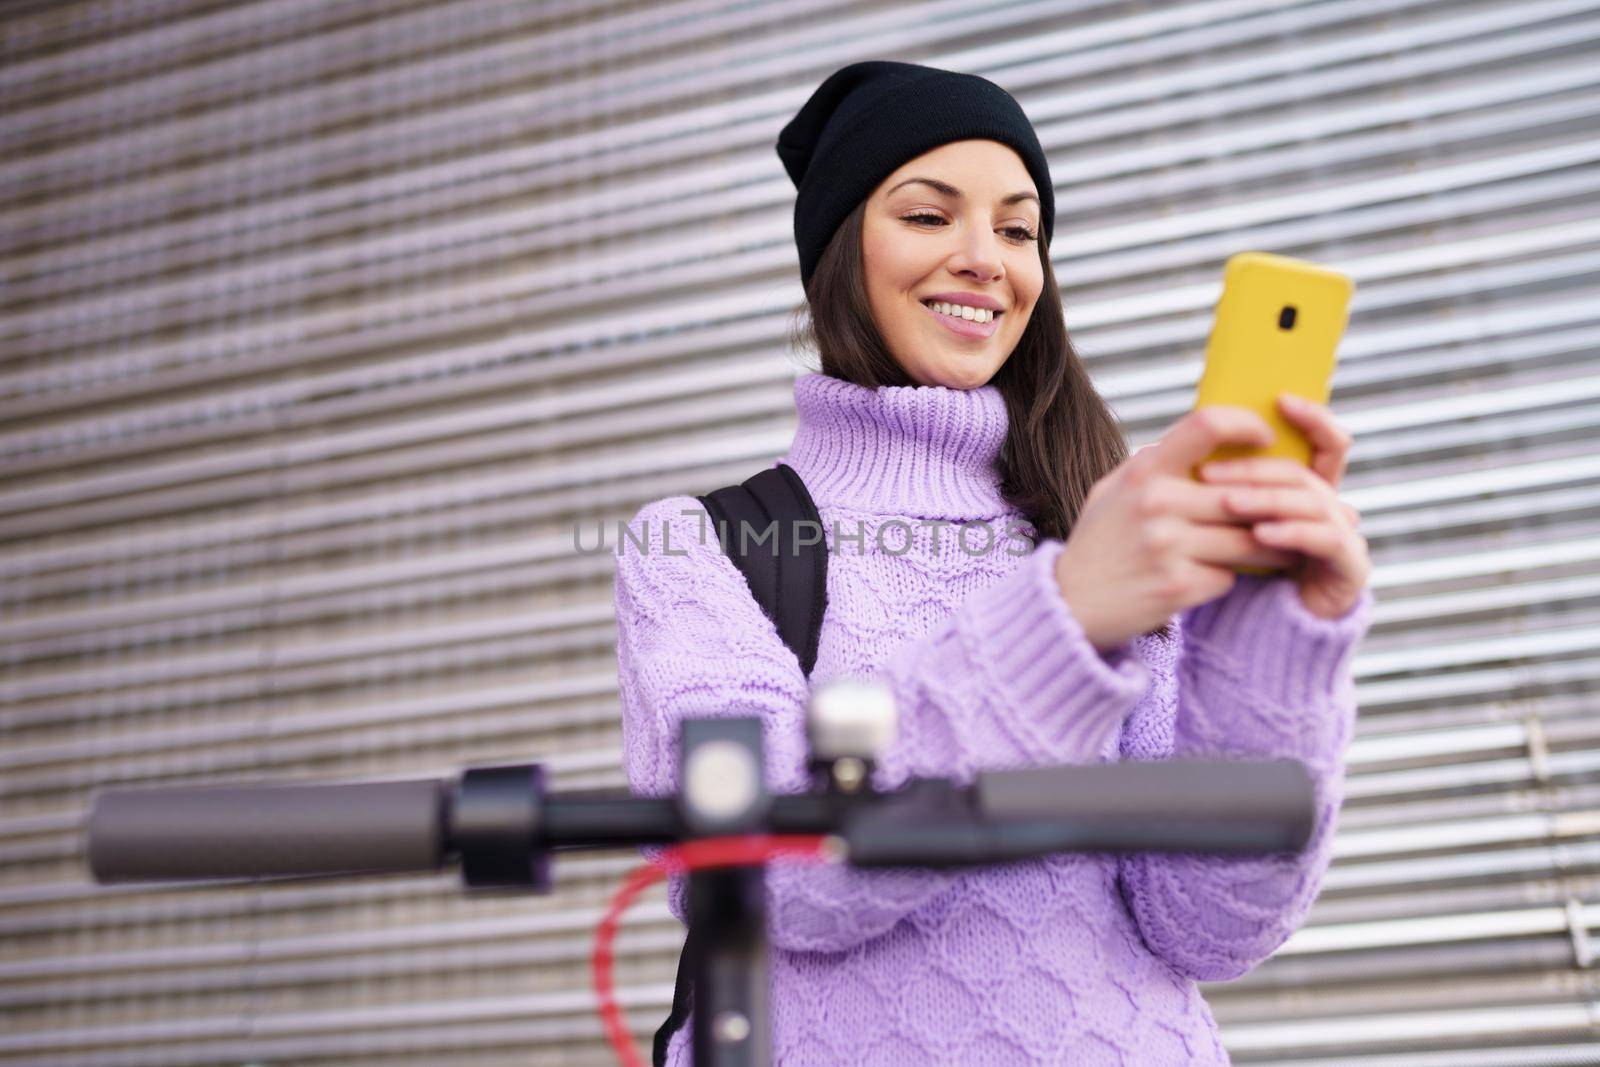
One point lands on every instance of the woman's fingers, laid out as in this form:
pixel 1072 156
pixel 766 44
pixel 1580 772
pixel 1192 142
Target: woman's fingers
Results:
pixel 1335 545
pixel 1275 469
pixel 1301 495
pixel 1281 502
pixel 1226 544
pixel 1199 434
pixel 1184 498
pixel 1330 442
pixel 1265 473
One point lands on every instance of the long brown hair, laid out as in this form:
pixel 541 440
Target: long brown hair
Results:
pixel 1062 436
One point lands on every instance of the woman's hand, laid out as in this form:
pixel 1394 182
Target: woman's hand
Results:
pixel 1292 507
pixel 1151 541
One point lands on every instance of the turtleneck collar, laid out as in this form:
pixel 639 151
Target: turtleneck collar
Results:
pixel 920 450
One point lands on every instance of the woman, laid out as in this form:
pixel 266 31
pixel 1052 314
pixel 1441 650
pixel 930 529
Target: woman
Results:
pixel 1122 634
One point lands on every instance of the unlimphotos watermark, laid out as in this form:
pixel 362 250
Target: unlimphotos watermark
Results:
pixel 976 537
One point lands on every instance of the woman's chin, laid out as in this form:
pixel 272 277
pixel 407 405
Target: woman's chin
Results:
pixel 962 373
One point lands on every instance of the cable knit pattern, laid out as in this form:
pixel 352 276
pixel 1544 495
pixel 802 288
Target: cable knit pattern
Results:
pixel 1075 958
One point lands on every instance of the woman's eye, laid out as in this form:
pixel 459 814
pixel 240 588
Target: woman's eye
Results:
pixel 1023 234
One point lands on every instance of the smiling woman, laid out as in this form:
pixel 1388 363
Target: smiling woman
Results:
pixel 956 226
pixel 924 208
pixel 966 224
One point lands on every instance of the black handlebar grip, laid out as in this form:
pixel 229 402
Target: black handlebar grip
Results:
pixel 229 831
pixel 1254 804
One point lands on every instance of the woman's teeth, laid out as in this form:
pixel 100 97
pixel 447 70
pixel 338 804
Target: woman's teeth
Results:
pixel 961 311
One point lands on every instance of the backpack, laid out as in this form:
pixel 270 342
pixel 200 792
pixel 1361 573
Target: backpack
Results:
pixel 790 583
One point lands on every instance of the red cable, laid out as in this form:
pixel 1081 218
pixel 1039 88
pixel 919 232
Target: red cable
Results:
pixel 740 850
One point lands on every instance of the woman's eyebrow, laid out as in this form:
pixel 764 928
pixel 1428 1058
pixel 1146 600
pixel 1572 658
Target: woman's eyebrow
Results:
pixel 951 191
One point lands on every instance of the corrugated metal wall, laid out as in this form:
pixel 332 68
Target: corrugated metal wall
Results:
pixel 322 324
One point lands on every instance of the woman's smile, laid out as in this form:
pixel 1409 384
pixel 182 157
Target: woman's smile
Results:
pixel 964 328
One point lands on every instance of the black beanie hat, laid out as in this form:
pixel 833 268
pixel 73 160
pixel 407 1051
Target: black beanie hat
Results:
pixel 867 119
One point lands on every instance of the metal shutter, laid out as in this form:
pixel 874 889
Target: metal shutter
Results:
pixel 322 323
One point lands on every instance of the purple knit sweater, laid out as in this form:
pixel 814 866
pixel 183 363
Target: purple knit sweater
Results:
pixel 1077 958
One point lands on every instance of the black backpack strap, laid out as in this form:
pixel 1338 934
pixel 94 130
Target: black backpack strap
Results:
pixel 790 582
pixel 680 1002
pixel 788 579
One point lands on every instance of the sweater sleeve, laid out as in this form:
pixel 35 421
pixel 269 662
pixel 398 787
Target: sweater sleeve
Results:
pixel 1258 676
pixel 1008 680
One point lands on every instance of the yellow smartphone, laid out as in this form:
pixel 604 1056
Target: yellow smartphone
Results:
pixel 1277 329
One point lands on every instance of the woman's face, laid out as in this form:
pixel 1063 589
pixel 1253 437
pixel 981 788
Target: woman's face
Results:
pixel 920 240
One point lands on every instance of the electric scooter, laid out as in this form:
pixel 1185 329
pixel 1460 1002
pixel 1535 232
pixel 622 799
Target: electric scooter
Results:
pixel 503 826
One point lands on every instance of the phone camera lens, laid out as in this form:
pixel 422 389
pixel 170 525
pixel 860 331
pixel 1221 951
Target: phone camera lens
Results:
pixel 1286 317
